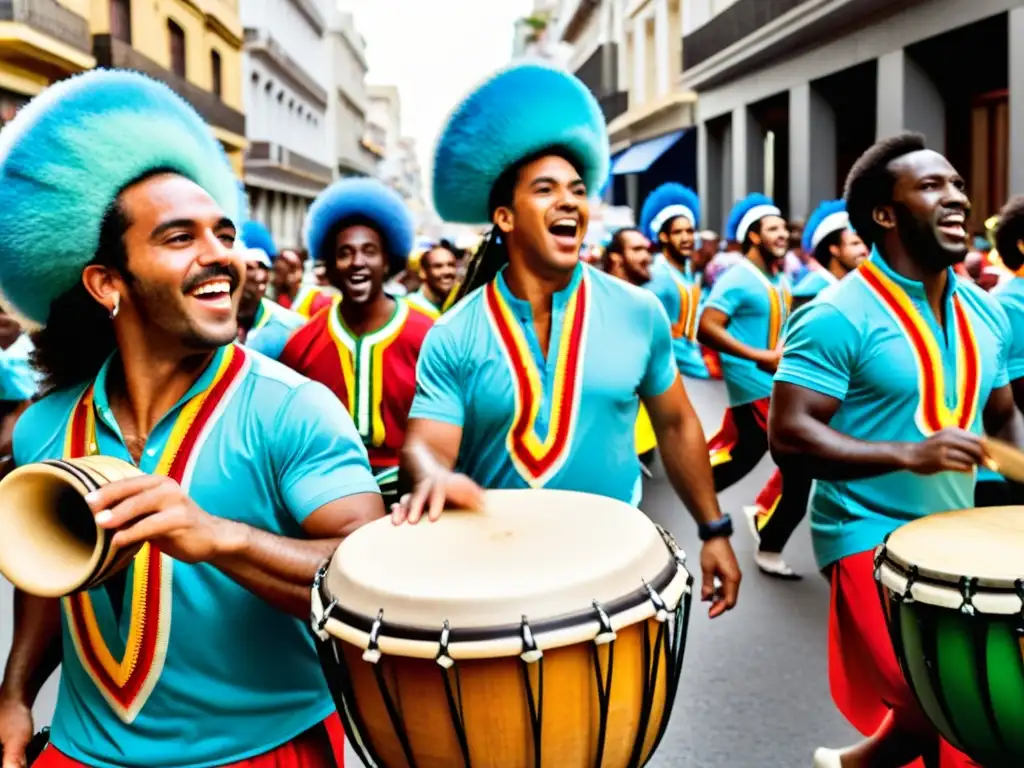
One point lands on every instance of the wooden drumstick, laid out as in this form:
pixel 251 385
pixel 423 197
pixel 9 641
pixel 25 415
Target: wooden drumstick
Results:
pixel 1004 458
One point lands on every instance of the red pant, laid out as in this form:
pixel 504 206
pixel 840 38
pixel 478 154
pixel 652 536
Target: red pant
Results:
pixel 864 675
pixel 322 746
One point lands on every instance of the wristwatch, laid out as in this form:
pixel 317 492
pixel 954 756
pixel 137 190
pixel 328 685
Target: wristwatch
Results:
pixel 715 529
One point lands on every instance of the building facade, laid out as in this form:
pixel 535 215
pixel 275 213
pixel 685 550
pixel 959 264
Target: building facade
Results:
pixel 349 101
pixel 287 83
pixel 792 92
pixel 192 45
pixel 399 166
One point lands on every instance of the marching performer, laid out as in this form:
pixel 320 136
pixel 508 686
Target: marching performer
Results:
pixel 670 217
pixel 743 319
pixel 992 489
pixel 365 345
pixel 533 378
pixel 263 325
pixel 881 394
pixel 290 291
pixel 438 268
pixel 836 250
pixel 117 233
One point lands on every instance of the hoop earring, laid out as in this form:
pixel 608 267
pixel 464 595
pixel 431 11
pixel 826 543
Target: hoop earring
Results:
pixel 117 305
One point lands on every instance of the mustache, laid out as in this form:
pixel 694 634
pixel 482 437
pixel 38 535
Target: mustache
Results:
pixel 211 273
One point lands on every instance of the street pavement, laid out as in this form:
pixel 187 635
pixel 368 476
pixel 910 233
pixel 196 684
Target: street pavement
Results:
pixel 754 690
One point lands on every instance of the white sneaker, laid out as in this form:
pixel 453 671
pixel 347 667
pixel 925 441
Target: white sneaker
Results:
pixel 827 758
pixel 750 513
pixel 773 564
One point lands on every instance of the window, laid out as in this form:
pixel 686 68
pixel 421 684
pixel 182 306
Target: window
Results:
pixel 121 20
pixel 177 41
pixel 215 72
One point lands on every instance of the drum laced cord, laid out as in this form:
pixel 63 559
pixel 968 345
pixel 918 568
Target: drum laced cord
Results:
pixel 669 644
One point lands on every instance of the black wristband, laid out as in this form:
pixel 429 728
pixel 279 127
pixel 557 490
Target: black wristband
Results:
pixel 715 529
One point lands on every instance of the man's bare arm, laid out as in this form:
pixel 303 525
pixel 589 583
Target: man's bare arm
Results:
pixel 36 649
pixel 713 332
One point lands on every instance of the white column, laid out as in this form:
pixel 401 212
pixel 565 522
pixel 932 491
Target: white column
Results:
pixel 662 30
pixel 812 150
pixel 1016 31
pixel 639 95
pixel 908 100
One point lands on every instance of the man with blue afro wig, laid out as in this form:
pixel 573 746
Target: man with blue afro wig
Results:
pixel 362 231
pixel 836 250
pixel 118 223
pixel 743 320
pixel 533 378
pixel 670 216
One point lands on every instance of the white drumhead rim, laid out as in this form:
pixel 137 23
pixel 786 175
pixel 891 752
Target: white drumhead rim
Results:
pixel 672 586
pixel 988 596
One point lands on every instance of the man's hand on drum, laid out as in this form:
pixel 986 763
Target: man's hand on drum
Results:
pixel 156 509
pixel 435 491
pixel 718 560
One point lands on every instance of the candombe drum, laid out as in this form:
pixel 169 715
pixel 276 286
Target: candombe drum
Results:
pixel 50 544
pixel 953 592
pixel 547 630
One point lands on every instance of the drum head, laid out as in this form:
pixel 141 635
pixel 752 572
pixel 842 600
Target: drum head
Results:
pixel 984 544
pixel 534 553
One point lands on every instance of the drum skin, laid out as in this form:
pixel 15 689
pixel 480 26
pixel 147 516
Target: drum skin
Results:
pixel 496 712
pixel 967 673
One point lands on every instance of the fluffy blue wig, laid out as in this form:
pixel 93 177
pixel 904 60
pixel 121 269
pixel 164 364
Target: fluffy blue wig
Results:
pixel 255 235
pixel 367 199
pixel 66 157
pixel 666 203
pixel 829 217
pixel 512 115
pixel 746 213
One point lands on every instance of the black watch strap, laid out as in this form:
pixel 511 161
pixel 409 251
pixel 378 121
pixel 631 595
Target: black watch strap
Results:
pixel 715 529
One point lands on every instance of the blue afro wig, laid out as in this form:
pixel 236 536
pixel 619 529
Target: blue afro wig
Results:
pixel 746 213
pixel 513 115
pixel 829 217
pixel 666 203
pixel 255 235
pixel 66 157
pixel 361 199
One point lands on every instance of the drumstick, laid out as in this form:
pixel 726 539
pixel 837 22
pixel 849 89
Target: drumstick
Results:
pixel 1004 458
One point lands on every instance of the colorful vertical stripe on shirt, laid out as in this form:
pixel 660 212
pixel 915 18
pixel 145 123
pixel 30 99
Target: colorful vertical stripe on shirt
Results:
pixel 779 303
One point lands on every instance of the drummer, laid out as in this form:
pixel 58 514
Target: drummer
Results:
pixel 852 404
pixel 532 380
pixel 253 474
pixel 365 345
pixel 993 490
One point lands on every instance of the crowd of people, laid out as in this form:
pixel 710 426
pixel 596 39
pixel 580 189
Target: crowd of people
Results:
pixel 277 400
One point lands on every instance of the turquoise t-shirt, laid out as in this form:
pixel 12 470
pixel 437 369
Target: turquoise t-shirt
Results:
pixel 1010 296
pixel 18 379
pixel 239 677
pixel 757 306
pixel 272 327
pixel 680 294
pixel 850 345
pixel 566 421
pixel 813 282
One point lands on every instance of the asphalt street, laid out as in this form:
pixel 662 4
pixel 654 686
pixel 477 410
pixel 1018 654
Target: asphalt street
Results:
pixel 754 690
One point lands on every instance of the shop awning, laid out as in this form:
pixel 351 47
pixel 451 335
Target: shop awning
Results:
pixel 641 156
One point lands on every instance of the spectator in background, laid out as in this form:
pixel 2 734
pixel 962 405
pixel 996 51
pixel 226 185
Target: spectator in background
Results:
pixel 628 256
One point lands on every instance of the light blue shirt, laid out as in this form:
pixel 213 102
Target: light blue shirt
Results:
pixel 812 283
pixel 680 294
pixel 745 294
pixel 18 379
pixel 465 377
pixel 1010 296
pixel 240 677
pixel 272 328
pixel 847 345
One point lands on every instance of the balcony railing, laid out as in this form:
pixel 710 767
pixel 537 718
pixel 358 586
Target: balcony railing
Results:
pixel 740 19
pixel 52 19
pixel 275 154
pixel 111 52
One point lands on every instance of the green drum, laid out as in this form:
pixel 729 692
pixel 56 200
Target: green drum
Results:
pixel 953 593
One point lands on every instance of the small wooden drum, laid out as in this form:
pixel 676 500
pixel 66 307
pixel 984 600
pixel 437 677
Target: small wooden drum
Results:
pixel 953 589
pixel 547 630
pixel 50 545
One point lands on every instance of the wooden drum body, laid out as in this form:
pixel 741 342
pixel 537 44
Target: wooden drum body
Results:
pixel 547 630
pixel 954 597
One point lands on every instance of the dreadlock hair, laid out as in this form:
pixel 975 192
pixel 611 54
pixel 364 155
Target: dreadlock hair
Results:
pixel 492 255
pixel 1010 232
pixel 870 182
pixel 823 252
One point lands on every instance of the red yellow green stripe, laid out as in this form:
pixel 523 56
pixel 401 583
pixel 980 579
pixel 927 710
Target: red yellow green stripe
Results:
pixel 126 683
pixel 536 459
pixel 933 414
